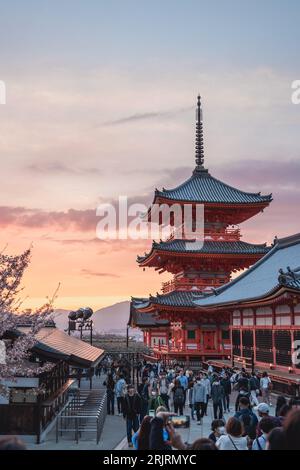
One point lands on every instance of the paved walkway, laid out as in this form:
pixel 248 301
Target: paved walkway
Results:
pixel 113 431
pixel 197 431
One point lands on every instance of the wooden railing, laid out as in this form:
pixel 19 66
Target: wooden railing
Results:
pixel 229 234
pixel 185 349
pixel 187 284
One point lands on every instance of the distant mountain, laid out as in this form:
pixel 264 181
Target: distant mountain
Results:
pixel 112 319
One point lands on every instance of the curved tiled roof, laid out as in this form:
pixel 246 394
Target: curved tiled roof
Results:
pixel 144 319
pixel 201 187
pixel 261 278
pixel 209 247
pixel 175 298
pixel 54 343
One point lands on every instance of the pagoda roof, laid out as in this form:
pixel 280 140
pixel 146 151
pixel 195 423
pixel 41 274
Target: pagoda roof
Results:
pixel 263 278
pixel 201 187
pixel 173 299
pixel 209 247
pixel 143 319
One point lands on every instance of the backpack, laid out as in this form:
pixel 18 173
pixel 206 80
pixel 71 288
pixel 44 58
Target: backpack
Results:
pixel 249 425
pixel 179 395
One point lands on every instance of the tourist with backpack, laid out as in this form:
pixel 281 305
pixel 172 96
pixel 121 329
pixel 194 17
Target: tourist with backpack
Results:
pixel 243 393
pixel 247 417
pixel 178 397
pixel 155 401
pixel 266 426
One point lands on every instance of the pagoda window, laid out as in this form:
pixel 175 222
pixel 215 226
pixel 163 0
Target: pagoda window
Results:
pixel 236 318
pixel 248 317
pixel 283 315
pixel 191 334
pixel 264 316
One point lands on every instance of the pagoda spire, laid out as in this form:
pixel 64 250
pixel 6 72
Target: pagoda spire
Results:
pixel 199 148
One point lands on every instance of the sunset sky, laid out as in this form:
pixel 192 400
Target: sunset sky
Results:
pixel 100 103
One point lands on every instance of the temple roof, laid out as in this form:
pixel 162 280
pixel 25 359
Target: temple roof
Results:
pixel 209 247
pixel 54 344
pixel 262 278
pixel 143 319
pixel 174 299
pixel 201 187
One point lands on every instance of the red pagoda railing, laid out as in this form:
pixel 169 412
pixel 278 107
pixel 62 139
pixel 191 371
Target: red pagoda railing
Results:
pixel 188 284
pixel 185 349
pixel 229 234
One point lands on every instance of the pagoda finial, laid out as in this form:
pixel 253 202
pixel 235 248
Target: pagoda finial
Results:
pixel 199 148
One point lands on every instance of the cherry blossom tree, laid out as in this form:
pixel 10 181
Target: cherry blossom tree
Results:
pixel 15 363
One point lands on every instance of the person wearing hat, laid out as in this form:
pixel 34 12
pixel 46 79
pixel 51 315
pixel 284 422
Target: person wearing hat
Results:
pixel 263 411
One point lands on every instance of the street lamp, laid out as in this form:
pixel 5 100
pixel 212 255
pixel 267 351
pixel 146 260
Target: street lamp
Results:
pixel 80 320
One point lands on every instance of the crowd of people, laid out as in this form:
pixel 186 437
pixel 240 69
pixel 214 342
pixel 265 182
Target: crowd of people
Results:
pixel 164 392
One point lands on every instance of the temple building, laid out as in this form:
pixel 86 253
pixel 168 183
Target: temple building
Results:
pixel 173 324
pixel 34 400
pixel 264 306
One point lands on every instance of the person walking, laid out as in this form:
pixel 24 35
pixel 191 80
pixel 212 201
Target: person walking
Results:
pixel 254 389
pixel 163 387
pixel 120 389
pixel 143 391
pixel 247 417
pixel 178 397
pixel 190 399
pixel 207 383
pixel 110 394
pixel 131 411
pixel 199 397
pixel 184 383
pixel 226 384
pixel 217 394
pixel 265 387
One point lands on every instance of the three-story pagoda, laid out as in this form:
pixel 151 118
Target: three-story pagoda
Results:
pixel 171 322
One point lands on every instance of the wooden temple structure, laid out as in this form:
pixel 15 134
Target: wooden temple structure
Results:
pixel 35 399
pixel 173 324
pixel 264 307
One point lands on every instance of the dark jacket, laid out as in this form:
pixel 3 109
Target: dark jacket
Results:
pixel 217 392
pixel 249 420
pixel 156 439
pixel 253 383
pixel 226 384
pixel 132 406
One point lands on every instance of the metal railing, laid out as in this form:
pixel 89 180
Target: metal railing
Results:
pixel 86 412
